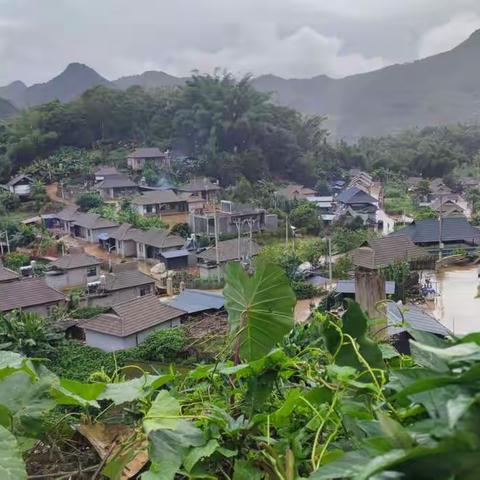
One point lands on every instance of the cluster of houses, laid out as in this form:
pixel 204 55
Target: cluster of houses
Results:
pixel 361 198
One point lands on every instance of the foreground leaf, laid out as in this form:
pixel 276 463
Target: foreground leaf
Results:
pixel 260 307
pixel 11 462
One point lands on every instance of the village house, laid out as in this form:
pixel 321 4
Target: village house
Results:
pixel 438 188
pixel 228 216
pixel 116 186
pixel 127 324
pixel 7 275
pixel 126 282
pixel 161 202
pixel 21 185
pixel 451 205
pixel 413 182
pixel 75 269
pixel 123 238
pixel 202 188
pixel 151 244
pixel 91 227
pixel 137 159
pixel 228 250
pixel 452 233
pixel 29 295
pixel 295 192
pixel 105 171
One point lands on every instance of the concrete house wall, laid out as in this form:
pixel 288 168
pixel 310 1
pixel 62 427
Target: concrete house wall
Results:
pixel 110 343
pixel 72 278
pixel 118 296
pixel 126 248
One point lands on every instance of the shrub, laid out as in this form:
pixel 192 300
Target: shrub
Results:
pixel 88 312
pixel 15 260
pixel 304 290
pixel 161 346
pixel 89 200
pixel 181 229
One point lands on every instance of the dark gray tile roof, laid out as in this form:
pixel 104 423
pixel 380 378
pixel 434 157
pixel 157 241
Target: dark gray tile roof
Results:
pixel 134 316
pixel 381 252
pixel 454 229
pixel 93 221
pixel 7 275
pixel 68 213
pixel 157 237
pixel 355 195
pixel 154 197
pixel 106 170
pixel 408 317
pixel 151 152
pixel 115 181
pixel 126 279
pixel 199 184
pixel 228 250
pixel 27 293
pixel 124 232
pixel 75 260
pixel 13 181
pixel 194 301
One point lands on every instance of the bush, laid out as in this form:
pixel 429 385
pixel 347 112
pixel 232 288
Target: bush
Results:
pixel 181 229
pixel 76 361
pixel 15 260
pixel 161 346
pixel 89 200
pixel 304 290
pixel 88 312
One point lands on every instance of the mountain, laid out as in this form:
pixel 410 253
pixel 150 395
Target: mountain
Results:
pixel 71 83
pixel 6 108
pixel 437 90
pixel 441 89
pixel 148 80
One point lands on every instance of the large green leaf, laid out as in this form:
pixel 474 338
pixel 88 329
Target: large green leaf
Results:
pixel 163 414
pixel 134 389
pixel 11 462
pixel 260 307
pixel 72 392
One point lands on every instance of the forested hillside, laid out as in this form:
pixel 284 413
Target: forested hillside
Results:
pixel 231 130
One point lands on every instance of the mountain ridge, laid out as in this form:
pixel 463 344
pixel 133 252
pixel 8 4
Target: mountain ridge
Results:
pixel 443 88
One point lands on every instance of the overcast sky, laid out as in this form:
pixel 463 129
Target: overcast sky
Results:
pixel 290 38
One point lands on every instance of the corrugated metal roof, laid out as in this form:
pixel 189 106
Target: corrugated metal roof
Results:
pixel 174 253
pixel 115 181
pixel 407 317
pixel 149 152
pixel 348 286
pixel 194 301
pixel 228 250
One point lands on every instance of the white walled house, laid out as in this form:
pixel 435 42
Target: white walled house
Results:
pixel 21 185
pixel 127 324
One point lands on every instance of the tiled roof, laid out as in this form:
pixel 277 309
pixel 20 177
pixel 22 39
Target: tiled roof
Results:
pixel 115 181
pixel 27 293
pixel 385 251
pixel 126 279
pixel 75 260
pixel 124 232
pixel 68 213
pixel 154 197
pixel 355 195
pixel 454 229
pixel 131 317
pixel 199 184
pixel 157 237
pixel 13 181
pixel 194 301
pixel 295 191
pixel 404 318
pixel 146 153
pixel 106 170
pixel 93 220
pixel 6 275
pixel 228 250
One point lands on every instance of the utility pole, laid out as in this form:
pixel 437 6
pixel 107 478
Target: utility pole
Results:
pixel 286 231
pixel 238 224
pixel 440 228
pixel 215 227
pixel 329 241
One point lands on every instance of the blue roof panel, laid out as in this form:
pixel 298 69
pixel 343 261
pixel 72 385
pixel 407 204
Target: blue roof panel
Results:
pixel 194 301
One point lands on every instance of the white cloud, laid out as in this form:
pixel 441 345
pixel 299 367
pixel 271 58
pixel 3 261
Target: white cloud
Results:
pixel 448 35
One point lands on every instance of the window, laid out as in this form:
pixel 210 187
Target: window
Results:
pixel 92 271
pixel 144 290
